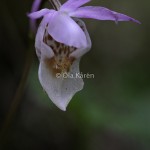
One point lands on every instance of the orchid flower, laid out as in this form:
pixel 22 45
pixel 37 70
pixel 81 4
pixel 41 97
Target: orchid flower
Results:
pixel 61 40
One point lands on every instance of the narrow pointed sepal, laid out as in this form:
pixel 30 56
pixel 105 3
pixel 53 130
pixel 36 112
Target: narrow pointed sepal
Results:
pixel 100 13
pixel 71 5
pixel 40 13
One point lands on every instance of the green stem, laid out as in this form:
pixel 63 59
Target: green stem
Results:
pixel 19 92
pixel 56 4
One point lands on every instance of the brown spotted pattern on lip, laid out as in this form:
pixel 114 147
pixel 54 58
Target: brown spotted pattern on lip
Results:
pixel 61 61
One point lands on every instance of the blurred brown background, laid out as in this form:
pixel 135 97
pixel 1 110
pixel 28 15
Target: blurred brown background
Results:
pixel 112 112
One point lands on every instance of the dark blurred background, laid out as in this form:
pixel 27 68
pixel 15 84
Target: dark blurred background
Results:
pixel 112 112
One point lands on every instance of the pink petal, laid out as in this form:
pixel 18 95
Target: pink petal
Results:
pixel 81 51
pixel 40 13
pixel 35 6
pixel 71 5
pixel 65 30
pixel 42 50
pixel 100 13
pixel 47 18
